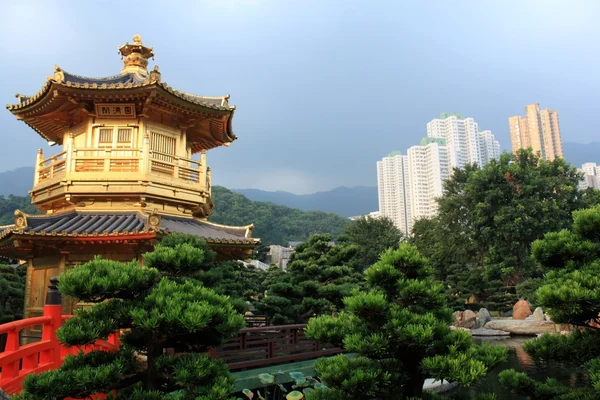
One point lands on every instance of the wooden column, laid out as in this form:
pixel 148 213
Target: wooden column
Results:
pixel 38 162
pixel 28 281
pixel 67 303
pixel 69 154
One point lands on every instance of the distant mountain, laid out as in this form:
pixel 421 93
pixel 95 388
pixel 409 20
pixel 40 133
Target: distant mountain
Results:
pixel 578 153
pixel 17 181
pixel 343 201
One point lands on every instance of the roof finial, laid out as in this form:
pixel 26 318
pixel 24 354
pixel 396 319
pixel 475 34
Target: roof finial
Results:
pixel 135 56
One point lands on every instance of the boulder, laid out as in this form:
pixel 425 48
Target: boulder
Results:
pixel 521 310
pixel 431 385
pixel 465 319
pixel 521 327
pixel 538 314
pixel 484 316
pixel 507 314
pixel 488 332
pixel 458 317
pixel 469 320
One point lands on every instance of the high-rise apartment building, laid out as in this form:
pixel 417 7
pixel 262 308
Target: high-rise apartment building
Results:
pixel 489 147
pixel 591 176
pixel 410 184
pixel 394 186
pixel 466 144
pixel 428 168
pixel 539 130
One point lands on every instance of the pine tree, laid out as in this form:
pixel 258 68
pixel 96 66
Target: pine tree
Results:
pixel 319 275
pixel 399 327
pixel 242 283
pixel 570 294
pixel 160 305
pixel 12 290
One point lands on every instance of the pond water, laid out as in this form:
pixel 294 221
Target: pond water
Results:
pixel 520 361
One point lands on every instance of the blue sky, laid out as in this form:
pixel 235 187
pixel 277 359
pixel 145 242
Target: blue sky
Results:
pixel 323 88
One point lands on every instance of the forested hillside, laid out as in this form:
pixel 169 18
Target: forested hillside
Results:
pixel 9 204
pixel 274 224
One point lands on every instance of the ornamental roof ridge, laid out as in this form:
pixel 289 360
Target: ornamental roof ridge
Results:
pixel 89 78
pixel 196 99
pixel 250 226
pixel 26 100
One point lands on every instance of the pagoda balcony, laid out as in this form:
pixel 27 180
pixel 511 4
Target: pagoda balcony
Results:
pixel 90 172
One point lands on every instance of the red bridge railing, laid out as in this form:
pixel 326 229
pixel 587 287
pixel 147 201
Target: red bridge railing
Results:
pixel 253 347
pixel 17 361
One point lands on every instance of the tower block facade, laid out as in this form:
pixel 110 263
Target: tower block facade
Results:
pixel 132 169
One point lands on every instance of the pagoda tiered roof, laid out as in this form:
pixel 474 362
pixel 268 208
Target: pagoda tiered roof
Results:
pixel 94 224
pixel 121 81
pixel 66 99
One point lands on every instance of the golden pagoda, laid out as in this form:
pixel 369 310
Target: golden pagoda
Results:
pixel 126 174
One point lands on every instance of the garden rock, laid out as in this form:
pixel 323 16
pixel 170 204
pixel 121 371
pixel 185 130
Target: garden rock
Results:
pixel 521 310
pixel 538 314
pixel 488 332
pixel 522 327
pixel 484 317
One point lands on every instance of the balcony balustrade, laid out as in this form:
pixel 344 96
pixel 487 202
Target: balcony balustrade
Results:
pixel 122 163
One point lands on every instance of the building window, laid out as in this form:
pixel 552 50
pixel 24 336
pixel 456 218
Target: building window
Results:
pixel 115 137
pixel 124 136
pixel 163 146
pixel 105 137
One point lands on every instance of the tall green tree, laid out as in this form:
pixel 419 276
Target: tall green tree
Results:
pixel 162 305
pixel 488 218
pixel 12 291
pixel 9 204
pixel 570 293
pixel 372 236
pixel 399 328
pixel 318 276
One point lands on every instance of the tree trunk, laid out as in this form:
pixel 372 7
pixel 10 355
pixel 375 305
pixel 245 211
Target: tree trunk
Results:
pixel 154 351
pixel 414 386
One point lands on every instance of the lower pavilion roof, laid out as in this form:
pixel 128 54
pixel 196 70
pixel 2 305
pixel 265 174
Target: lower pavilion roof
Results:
pixel 89 224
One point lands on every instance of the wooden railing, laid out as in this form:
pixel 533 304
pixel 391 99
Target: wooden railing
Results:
pixel 268 345
pixel 123 160
pixel 106 160
pixel 51 167
pixel 175 167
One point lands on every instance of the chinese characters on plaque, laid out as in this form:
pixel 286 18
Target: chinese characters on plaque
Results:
pixel 115 110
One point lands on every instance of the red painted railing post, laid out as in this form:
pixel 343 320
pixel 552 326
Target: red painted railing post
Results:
pixel 114 339
pixel 52 309
pixel 11 370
